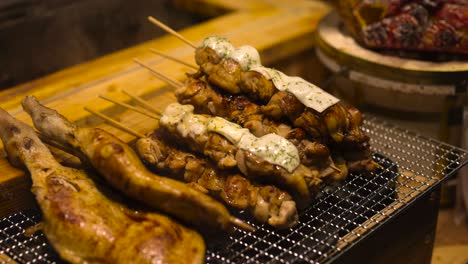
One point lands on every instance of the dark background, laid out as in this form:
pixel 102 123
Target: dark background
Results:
pixel 39 37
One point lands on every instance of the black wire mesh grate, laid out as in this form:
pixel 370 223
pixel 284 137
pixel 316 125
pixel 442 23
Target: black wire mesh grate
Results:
pixel 412 165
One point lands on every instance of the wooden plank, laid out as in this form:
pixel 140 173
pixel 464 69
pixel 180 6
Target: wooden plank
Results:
pixel 277 33
pixel 263 29
pixel 6 259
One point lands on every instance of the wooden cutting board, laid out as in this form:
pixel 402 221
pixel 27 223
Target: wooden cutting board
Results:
pixel 278 29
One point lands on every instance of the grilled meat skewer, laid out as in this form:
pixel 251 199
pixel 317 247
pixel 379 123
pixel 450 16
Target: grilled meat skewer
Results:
pixel 238 71
pixel 267 203
pixel 82 224
pixel 269 159
pixel 122 168
pixel 240 110
pixel 227 73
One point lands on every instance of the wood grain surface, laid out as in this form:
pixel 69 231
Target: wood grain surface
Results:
pixel 275 29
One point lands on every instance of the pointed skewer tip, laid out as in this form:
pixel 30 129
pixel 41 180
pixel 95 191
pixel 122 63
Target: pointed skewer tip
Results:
pixel 241 224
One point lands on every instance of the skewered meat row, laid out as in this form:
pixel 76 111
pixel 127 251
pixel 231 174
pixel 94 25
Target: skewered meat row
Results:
pixel 85 226
pixel 267 203
pixel 238 71
pixel 240 110
pixel 236 108
pixel 122 168
pixel 269 158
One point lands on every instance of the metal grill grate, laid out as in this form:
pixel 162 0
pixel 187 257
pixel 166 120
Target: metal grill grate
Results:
pixel 412 165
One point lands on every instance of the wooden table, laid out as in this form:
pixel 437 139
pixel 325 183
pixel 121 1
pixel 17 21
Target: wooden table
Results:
pixel 276 29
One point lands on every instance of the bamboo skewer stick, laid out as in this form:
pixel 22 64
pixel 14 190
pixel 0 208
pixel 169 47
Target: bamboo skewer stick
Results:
pixel 143 103
pixel 116 124
pixel 175 82
pixel 333 166
pixel 162 54
pixel 161 76
pixel 234 220
pixel 179 36
pixel 136 109
pixel 171 31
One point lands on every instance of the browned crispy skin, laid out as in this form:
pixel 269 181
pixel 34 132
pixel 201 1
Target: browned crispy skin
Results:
pixel 240 110
pixel 122 168
pixel 298 183
pixel 333 127
pixel 82 224
pixel 266 203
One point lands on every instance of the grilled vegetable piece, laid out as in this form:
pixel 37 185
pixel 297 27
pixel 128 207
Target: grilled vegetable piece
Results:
pixel 266 203
pixel 122 168
pixel 85 226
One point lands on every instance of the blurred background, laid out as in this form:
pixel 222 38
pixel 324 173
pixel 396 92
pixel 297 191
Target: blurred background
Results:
pixel 39 37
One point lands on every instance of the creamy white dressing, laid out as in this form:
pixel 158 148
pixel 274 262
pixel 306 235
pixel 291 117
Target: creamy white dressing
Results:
pixel 220 45
pixel 182 116
pixel 272 148
pixel 310 95
pixel 231 131
pixel 249 59
pixel 246 56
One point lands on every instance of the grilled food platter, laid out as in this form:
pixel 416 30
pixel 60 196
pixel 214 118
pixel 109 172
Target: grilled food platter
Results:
pixel 300 172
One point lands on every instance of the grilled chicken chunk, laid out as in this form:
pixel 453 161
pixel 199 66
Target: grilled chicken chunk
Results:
pixel 266 203
pixel 179 124
pixel 122 168
pixel 333 127
pixel 82 224
pixel 240 110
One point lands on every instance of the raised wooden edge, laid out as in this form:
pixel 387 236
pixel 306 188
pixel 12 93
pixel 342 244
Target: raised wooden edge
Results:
pixel 71 89
pixel 343 48
pixel 6 259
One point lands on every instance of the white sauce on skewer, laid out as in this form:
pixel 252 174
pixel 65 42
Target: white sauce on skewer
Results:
pixel 271 147
pixel 182 116
pixel 310 95
pixel 220 45
pixel 248 58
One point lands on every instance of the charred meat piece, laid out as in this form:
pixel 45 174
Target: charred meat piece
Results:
pixel 332 127
pixel 255 84
pixel 267 203
pixel 225 74
pixel 238 109
pixel 302 183
pixel 339 126
pixel 85 226
pixel 122 168
pixel 416 25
